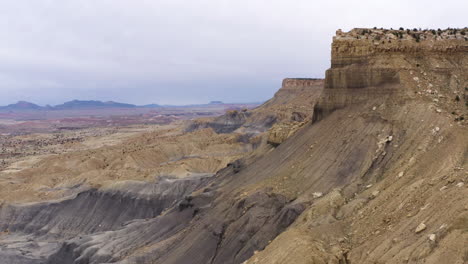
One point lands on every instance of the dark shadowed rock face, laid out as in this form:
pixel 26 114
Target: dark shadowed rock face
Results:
pixel 175 221
pixel 96 210
pixel 229 122
pixel 91 211
pixel 226 123
pixel 197 232
pixel 251 224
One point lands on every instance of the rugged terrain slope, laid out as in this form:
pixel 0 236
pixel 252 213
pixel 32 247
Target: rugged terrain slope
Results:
pixel 290 105
pixel 104 184
pixel 388 152
pixel 378 176
pixel 163 152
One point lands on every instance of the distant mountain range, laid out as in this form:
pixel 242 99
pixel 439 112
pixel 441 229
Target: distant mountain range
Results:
pixel 78 104
pixel 91 104
pixel 71 105
pixel 22 105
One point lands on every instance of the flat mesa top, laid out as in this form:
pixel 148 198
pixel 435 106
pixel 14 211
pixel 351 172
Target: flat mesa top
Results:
pixel 403 34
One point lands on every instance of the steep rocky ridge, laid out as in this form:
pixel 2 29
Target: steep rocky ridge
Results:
pixel 400 196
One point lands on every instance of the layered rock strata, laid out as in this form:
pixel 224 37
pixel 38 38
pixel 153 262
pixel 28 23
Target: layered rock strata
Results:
pixel 373 64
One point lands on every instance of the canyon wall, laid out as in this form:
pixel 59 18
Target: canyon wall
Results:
pixel 373 64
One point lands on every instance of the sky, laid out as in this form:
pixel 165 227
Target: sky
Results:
pixel 184 51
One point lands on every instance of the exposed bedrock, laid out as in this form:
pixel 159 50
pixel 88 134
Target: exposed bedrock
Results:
pixel 30 233
pixel 96 210
pixel 366 69
pixel 171 221
pixel 278 133
pixel 226 123
pixel 196 231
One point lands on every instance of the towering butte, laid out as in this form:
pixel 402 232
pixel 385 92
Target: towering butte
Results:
pixel 380 64
pixel 378 177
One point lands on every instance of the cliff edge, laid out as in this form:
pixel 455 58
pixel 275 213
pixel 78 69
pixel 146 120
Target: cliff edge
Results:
pixel 379 64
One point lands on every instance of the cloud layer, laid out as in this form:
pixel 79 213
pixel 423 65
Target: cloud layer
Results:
pixel 174 51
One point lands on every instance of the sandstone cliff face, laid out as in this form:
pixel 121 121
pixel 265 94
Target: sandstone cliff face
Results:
pixel 371 64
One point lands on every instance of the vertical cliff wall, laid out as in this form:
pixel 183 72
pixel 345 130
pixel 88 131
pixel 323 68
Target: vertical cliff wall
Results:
pixel 372 64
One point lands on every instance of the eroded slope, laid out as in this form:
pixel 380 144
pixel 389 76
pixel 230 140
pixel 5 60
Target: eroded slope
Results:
pixel 401 101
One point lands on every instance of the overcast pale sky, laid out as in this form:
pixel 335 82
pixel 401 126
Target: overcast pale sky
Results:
pixel 184 51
